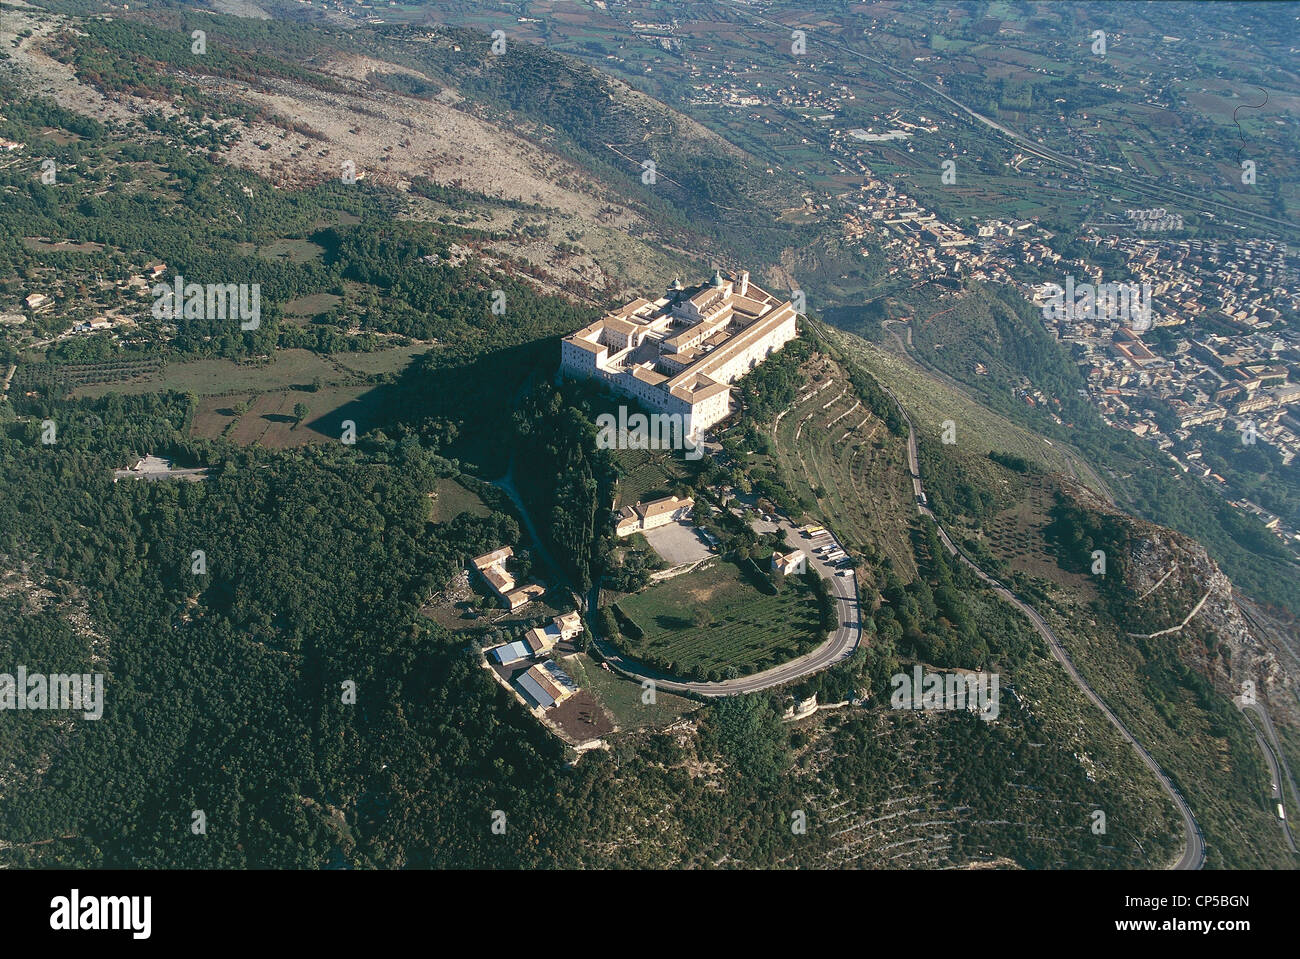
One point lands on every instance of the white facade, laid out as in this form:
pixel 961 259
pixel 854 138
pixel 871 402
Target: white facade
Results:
pixel 681 353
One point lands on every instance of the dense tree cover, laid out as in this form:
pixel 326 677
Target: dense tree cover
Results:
pixel 827 605
pixel 136 57
pixel 1012 462
pixel 748 731
pixel 435 300
pixel 771 387
pixel 1256 470
pixel 565 479
pixel 1075 532
pixel 224 689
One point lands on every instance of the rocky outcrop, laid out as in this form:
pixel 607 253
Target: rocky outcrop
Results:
pixel 1170 576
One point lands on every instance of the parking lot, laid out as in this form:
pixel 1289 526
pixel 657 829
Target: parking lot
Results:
pixel 678 543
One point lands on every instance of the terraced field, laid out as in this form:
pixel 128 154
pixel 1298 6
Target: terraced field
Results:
pixel 897 789
pixel 650 474
pixel 855 469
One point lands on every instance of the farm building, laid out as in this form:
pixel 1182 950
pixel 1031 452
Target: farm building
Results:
pixel 547 685
pixel 508 653
pixel 492 567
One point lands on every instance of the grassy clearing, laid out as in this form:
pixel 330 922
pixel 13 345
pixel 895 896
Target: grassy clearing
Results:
pixel 216 413
pixel 39 244
pixel 622 697
pixel 929 402
pixel 380 361
pixel 713 619
pixel 271 420
pixel 450 499
pixel 314 304
pixel 294 251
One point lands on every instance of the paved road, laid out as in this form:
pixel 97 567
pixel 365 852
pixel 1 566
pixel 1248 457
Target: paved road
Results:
pixel 1194 851
pixel 1276 761
pixel 840 646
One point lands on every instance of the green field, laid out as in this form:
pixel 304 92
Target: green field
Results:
pixel 450 499
pixel 930 402
pixel 268 418
pixel 380 361
pixel 713 621
pixel 292 250
pixel 286 369
pixel 622 697
pixel 314 304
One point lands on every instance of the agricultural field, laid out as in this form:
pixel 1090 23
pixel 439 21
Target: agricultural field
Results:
pixel 59 378
pixel 268 419
pixel 216 414
pixel 288 368
pixel 854 467
pixel 380 361
pixel 271 419
pixel 713 620
pixel 650 474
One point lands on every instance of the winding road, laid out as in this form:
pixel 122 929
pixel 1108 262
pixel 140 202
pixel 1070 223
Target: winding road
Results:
pixel 1276 759
pixel 840 646
pixel 1193 856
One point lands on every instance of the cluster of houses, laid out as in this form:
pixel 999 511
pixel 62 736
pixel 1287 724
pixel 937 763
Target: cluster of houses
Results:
pixel 544 683
pixel 538 640
pixel 492 567
pixel 38 303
